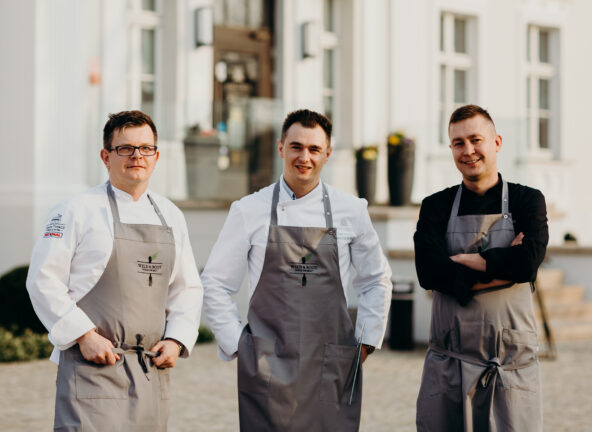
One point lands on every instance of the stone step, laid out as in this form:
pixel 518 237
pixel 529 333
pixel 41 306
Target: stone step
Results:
pixel 566 311
pixel 564 295
pixel 549 279
pixel 568 330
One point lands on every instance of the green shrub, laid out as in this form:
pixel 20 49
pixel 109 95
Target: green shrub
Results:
pixel 205 334
pixel 26 346
pixel 16 309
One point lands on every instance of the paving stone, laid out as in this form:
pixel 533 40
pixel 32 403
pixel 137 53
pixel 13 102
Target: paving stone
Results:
pixel 204 392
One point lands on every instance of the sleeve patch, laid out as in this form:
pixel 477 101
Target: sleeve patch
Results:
pixel 55 227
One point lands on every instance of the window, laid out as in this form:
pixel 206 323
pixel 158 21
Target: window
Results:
pixel 242 13
pixel 329 44
pixel 456 68
pixel 541 85
pixel 144 36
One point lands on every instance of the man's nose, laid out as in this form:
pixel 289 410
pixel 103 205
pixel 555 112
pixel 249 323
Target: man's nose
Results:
pixel 468 148
pixel 136 154
pixel 304 155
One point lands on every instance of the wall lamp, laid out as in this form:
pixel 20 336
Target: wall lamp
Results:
pixel 204 26
pixel 310 39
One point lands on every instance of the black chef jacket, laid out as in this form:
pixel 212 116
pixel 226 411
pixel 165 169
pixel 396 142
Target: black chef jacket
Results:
pixel 436 271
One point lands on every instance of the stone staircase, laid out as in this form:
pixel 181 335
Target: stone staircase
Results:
pixel 569 315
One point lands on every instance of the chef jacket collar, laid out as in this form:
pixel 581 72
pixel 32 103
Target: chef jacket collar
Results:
pixel 125 197
pixel 288 195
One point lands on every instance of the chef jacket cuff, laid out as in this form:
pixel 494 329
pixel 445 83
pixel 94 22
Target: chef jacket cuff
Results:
pixel 70 327
pixel 373 332
pixel 225 357
pixel 228 339
pixel 183 333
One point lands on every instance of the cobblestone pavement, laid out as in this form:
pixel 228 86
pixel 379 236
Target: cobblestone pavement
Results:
pixel 204 392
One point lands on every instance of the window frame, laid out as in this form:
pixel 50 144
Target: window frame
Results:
pixel 537 70
pixel 448 62
pixel 330 42
pixel 140 19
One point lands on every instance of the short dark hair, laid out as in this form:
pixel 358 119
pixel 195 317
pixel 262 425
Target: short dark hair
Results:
pixel 308 119
pixel 125 119
pixel 466 112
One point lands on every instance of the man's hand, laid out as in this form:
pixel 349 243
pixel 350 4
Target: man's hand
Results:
pixel 96 348
pixel 476 262
pixel 169 353
pixel 517 240
pixel 494 283
pixel 473 261
pixel 364 353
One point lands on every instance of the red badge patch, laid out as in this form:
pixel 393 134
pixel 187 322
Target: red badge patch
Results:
pixel 55 227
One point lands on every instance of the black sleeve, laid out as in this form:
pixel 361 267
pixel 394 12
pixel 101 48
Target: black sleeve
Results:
pixel 520 263
pixel 435 270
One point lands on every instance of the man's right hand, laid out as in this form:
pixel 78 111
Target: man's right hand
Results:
pixel 97 349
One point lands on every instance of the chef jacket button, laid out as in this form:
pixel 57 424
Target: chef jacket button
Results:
pixel 328 213
pixel 505 216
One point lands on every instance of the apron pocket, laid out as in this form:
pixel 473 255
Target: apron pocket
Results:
pixel 254 357
pixel 520 345
pixel 164 378
pixel 338 372
pixel 94 381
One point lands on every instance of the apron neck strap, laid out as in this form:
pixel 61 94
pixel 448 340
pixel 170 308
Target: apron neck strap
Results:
pixel 157 210
pixel 115 209
pixel 327 208
pixel 456 203
pixel 505 200
pixel 326 205
pixel 113 204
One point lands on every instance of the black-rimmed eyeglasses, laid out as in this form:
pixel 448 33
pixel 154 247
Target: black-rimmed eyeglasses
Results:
pixel 128 150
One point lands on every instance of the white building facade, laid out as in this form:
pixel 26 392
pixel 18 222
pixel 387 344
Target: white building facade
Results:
pixel 224 73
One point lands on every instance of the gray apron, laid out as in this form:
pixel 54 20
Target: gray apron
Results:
pixel 297 355
pixel 128 307
pixel 481 371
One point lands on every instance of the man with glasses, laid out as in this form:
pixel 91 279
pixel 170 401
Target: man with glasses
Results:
pixel 114 280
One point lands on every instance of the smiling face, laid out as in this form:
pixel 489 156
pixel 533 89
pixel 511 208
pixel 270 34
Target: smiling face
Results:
pixel 305 151
pixel 474 146
pixel 130 173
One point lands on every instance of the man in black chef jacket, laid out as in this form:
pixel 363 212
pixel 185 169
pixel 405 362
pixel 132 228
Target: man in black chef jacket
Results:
pixel 478 247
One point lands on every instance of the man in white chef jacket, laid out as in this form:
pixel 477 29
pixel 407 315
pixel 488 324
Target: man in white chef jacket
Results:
pixel 114 280
pixel 302 241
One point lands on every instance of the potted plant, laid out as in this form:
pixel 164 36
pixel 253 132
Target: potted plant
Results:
pixel 366 172
pixel 401 158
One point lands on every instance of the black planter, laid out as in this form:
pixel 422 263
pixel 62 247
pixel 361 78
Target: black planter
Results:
pixel 366 176
pixel 401 158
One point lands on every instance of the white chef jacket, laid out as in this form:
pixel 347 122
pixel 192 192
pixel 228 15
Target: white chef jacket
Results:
pixel 72 254
pixel 243 240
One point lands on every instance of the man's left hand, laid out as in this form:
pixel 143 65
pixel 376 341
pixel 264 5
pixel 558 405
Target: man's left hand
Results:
pixel 169 353
pixel 472 260
pixel 364 353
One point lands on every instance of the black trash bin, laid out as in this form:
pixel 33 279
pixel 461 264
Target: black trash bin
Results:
pixel 401 328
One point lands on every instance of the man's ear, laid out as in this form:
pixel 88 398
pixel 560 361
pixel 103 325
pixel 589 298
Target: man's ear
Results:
pixel 280 148
pixel 105 155
pixel 498 143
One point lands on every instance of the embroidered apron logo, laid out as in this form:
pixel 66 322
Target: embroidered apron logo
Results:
pixel 55 227
pixel 150 267
pixel 304 268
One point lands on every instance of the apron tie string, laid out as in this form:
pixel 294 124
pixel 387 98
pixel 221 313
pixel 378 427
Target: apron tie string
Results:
pixel 140 350
pixel 492 368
